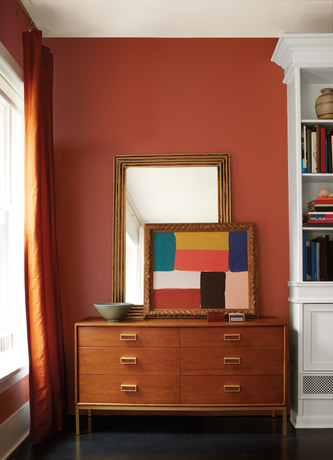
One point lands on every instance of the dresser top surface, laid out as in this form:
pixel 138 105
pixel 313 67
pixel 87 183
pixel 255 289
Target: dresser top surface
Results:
pixel 254 322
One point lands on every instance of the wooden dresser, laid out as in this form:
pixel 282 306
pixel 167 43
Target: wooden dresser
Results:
pixel 180 365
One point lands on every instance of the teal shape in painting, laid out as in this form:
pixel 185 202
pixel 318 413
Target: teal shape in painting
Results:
pixel 164 251
pixel 238 258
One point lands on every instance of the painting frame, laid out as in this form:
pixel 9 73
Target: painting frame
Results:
pixel 249 228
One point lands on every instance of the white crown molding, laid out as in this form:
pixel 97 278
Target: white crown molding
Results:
pixel 303 50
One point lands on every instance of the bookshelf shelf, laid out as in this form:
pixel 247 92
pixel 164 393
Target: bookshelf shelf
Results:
pixel 317 177
pixel 318 229
pixel 307 61
pixel 322 122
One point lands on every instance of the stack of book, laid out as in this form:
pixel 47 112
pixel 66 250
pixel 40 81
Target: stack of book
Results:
pixel 320 213
pixel 317 149
pixel 318 259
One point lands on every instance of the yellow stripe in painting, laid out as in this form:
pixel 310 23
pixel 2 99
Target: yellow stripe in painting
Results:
pixel 202 240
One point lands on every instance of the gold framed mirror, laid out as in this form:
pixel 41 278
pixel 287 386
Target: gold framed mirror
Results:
pixel 219 161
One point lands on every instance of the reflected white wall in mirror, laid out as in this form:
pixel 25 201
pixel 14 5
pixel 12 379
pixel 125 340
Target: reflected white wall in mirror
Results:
pixel 163 195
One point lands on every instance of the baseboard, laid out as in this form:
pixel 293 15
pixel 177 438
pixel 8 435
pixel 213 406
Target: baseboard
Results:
pixel 14 431
pixel 311 421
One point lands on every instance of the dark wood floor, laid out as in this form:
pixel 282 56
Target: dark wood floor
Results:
pixel 180 438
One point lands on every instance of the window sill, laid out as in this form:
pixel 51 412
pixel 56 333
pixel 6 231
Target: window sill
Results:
pixel 13 369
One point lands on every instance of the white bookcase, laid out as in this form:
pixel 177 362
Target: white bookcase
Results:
pixel 307 61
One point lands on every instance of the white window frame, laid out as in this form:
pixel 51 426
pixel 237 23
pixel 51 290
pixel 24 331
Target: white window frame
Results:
pixel 13 341
pixel 134 254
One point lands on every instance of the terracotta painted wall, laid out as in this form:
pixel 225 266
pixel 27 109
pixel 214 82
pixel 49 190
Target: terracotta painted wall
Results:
pixel 12 24
pixel 11 28
pixel 134 96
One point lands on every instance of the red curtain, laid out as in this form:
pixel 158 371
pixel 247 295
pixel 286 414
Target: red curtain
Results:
pixel 45 337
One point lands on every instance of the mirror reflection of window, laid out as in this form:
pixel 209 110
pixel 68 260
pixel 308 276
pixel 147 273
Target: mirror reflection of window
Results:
pixel 163 195
pixel 134 254
pixel 174 194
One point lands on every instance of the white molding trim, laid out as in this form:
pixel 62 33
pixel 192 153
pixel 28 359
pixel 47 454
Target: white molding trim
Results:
pixel 15 376
pixel 11 70
pixel 14 431
pixel 303 50
pixel 11 77
pixel 312 421
pixel 308 292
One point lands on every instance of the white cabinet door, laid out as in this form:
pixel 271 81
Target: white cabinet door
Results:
pixel 318 337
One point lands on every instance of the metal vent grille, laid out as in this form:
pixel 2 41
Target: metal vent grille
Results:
pixel 317 385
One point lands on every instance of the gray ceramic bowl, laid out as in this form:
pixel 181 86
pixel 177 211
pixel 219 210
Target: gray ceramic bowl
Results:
pixel 112 311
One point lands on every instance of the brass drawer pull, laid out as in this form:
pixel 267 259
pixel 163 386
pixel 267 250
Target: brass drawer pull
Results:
pixel 130 388
pixel 127 336
pixel 231 360
pixel 127 360
pixel 231 388
pixel 231 337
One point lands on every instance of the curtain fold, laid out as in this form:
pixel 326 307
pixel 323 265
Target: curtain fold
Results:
pixel 44 322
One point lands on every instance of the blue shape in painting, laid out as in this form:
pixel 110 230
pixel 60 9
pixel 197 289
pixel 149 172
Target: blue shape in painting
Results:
pixel 238 258
pixel 164 251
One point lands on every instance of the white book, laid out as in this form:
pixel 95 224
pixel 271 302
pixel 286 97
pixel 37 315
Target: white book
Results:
pixel 314 151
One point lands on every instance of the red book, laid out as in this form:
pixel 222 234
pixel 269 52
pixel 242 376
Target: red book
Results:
pixel 322 149
pixel 327 200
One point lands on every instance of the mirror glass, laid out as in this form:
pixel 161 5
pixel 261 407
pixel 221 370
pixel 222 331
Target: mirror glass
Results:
pixel 163 195
pixel 174 188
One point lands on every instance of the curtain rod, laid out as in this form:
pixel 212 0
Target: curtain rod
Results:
pixel 32 25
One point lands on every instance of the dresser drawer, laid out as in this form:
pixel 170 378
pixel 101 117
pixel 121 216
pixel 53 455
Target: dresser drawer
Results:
pixel 241 336
pixel 231 361
pixel 124 389
pixel 122 360
pixel 128 336
pixel 233 390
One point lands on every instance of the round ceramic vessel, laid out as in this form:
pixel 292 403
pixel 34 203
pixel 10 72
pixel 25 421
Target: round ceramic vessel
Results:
pixel 112 311
pixel 324 104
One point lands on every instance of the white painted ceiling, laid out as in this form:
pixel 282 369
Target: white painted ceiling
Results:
pixel 180 18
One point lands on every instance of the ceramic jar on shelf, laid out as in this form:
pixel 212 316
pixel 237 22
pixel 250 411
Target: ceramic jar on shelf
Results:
pixel 324 104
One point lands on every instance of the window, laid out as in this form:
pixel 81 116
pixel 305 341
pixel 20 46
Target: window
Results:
pixel 134 254
pixel 13 343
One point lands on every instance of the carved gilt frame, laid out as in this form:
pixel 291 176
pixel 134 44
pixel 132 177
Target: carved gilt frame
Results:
pixel 249 228
pixel 122 162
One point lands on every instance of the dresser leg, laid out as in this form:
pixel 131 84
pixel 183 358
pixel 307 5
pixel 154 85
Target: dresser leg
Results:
pixel 89 412
pixel 284 421
pixel 273 413
pixel 77 420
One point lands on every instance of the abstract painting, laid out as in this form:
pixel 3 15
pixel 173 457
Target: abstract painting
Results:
pixel 193 268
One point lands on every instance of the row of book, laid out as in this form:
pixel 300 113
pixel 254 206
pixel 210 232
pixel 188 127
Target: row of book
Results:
pixel 317 149
pixel 320 213
pixel 318 259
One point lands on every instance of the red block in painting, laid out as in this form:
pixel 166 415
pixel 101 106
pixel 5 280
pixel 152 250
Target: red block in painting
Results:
pixel 176 298
pixel 202 260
